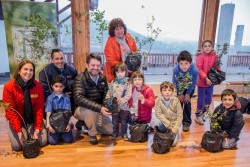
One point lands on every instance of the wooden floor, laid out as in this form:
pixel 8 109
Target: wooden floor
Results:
pixel 121 153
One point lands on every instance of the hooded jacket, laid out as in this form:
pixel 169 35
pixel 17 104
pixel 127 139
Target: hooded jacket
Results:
pixel 232 119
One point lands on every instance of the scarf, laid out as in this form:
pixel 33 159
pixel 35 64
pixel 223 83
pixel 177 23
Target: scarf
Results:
pixel 121 80
pixel 125 50
pixel 28 109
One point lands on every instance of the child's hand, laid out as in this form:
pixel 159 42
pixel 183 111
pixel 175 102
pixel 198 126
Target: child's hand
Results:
pixel 141 97
pixel 208 82
pixel 118 101
pixel 181 98
pixel 68 128
pixel 187 98
pixel 51 130
pixel 36 132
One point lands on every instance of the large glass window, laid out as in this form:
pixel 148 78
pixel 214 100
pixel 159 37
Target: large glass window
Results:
pixel 178 20
pixel 233 29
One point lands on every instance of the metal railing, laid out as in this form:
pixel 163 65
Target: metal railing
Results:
pixel 170 60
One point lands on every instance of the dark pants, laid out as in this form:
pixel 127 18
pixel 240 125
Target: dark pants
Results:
pixel 66 136
pixel 205 95
pixel 122 117
pixel 187 111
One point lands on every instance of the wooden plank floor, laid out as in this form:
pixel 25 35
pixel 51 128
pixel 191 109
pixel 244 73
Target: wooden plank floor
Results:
pixel 121 153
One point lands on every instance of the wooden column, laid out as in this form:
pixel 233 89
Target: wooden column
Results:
pixel 208 23
pixel 80 33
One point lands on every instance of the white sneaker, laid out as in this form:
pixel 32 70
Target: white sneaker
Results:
pixel 199 120
pixel 228 143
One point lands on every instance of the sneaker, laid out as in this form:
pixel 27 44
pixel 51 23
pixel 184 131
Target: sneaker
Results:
pixel 185 127
pixel 93 140
pixel 125 137
pixel 199 120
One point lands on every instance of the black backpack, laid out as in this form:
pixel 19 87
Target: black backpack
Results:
pixel 212 141
pixel 139 132
pixel 162 142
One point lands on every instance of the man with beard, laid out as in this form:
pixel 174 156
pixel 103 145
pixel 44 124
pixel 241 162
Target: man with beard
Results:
pixel 90 89
pixel 57 67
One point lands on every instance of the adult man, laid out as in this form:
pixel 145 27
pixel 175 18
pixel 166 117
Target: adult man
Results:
pixel 57 67
pixel 90 88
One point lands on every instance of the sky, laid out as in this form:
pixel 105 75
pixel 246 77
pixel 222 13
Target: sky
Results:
pixel 178 19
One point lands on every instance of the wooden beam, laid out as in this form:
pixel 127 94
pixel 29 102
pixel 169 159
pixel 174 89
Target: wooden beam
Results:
pixel 208 22
pixel 80 33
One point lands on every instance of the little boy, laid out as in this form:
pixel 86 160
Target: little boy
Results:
pixel 232 120
pixel 168 110
pixel 58 100
pixel 185 76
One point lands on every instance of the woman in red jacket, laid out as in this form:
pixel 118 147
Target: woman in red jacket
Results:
pixel 118 46
pixel 25 95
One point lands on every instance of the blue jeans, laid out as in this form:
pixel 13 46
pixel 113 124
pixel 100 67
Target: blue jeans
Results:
pixel 122 117
pixel 205 95
pixel 66 136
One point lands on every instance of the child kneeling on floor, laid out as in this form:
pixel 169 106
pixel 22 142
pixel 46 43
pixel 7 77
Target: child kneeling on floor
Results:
pixel 232 119
pixel 169 111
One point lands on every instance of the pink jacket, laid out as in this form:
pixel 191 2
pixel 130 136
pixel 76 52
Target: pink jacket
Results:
pixel 204 63
pixel 145 109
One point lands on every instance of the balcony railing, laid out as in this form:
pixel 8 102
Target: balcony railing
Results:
pixel 170 60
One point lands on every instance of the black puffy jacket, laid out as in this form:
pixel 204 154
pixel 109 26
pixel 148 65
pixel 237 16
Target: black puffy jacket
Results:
pixel 87 93
pixel 232 121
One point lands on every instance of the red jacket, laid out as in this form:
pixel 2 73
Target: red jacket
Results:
pixel 145 109
pixel 113 54
pixel 204 63
pixel 14 95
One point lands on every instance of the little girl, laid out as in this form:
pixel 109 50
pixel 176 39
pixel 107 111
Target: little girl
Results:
pixel 120 88
pixel 142 100
pixel 168 110
pixel 204 63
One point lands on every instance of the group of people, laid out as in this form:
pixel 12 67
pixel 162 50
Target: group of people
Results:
pixel 61 87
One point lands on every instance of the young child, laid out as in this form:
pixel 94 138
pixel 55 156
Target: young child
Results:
pixel 142 100
pixel 58 100
pixel 232 120
pixel 120 88
pixel 185 76
pixel 168 110
pixel 204 63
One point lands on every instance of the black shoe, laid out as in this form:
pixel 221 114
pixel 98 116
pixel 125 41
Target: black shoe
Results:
pixel 93 140
pixel 185 127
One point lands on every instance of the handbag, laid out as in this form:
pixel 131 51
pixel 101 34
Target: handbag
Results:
pixel 162 142
pixel 133 61
pixel 59 119
pixel 111 104
pixel 212 141
pixel 216 76
pixel 139 132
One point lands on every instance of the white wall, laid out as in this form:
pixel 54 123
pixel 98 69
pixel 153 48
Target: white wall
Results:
pixel 4 67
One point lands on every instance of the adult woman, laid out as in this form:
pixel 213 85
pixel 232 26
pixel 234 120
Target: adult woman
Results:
pixel 25 95
pixel 118 46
